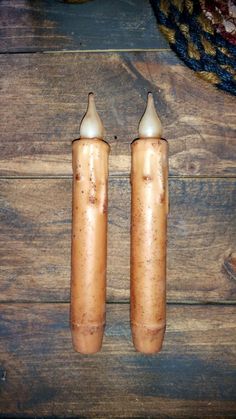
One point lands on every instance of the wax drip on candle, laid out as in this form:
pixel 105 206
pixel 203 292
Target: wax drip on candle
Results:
pixel 91 125
pixel 150 125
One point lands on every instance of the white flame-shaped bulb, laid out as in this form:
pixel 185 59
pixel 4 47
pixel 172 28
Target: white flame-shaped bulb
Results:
pixel 150 125
pixel 91 125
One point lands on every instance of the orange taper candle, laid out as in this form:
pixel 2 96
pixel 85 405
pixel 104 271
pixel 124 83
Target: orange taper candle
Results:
pixel 89 233
pixel 149 209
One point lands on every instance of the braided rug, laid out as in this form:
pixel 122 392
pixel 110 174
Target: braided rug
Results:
pixel 203 34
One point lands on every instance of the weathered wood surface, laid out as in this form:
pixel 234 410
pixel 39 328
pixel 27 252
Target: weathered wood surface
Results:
pixel 99 24
pixel 194 376
pixel 35 239
pixel 44 96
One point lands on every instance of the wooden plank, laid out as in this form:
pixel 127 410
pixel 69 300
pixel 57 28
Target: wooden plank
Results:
pixel 99 24
pixel 35 240
pixel 194 376
pixel 45 95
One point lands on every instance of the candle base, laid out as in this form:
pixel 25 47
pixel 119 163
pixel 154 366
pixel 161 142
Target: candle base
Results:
pixel 87 339
pixel 148 340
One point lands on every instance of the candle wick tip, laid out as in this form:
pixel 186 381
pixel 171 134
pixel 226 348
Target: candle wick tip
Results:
pixel 150 124
pixel 91 125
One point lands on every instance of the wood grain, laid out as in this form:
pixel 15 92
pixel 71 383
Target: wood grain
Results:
pixel 44 96
pixel 35 240
pixel 99 24
pixel 194 376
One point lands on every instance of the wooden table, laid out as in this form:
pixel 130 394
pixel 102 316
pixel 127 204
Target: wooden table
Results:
pixel 52 55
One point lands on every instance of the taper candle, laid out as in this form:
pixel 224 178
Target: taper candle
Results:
pixel 149 209
pixel 89 233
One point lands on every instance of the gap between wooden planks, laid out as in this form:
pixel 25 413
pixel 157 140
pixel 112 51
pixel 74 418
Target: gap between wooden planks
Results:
pixel 193 376
pixel 35 240
pixel 54 25
pixel 44 96
pixel 40 374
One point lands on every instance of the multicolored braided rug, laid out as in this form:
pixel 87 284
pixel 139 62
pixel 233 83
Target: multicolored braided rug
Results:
pixel 203 34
